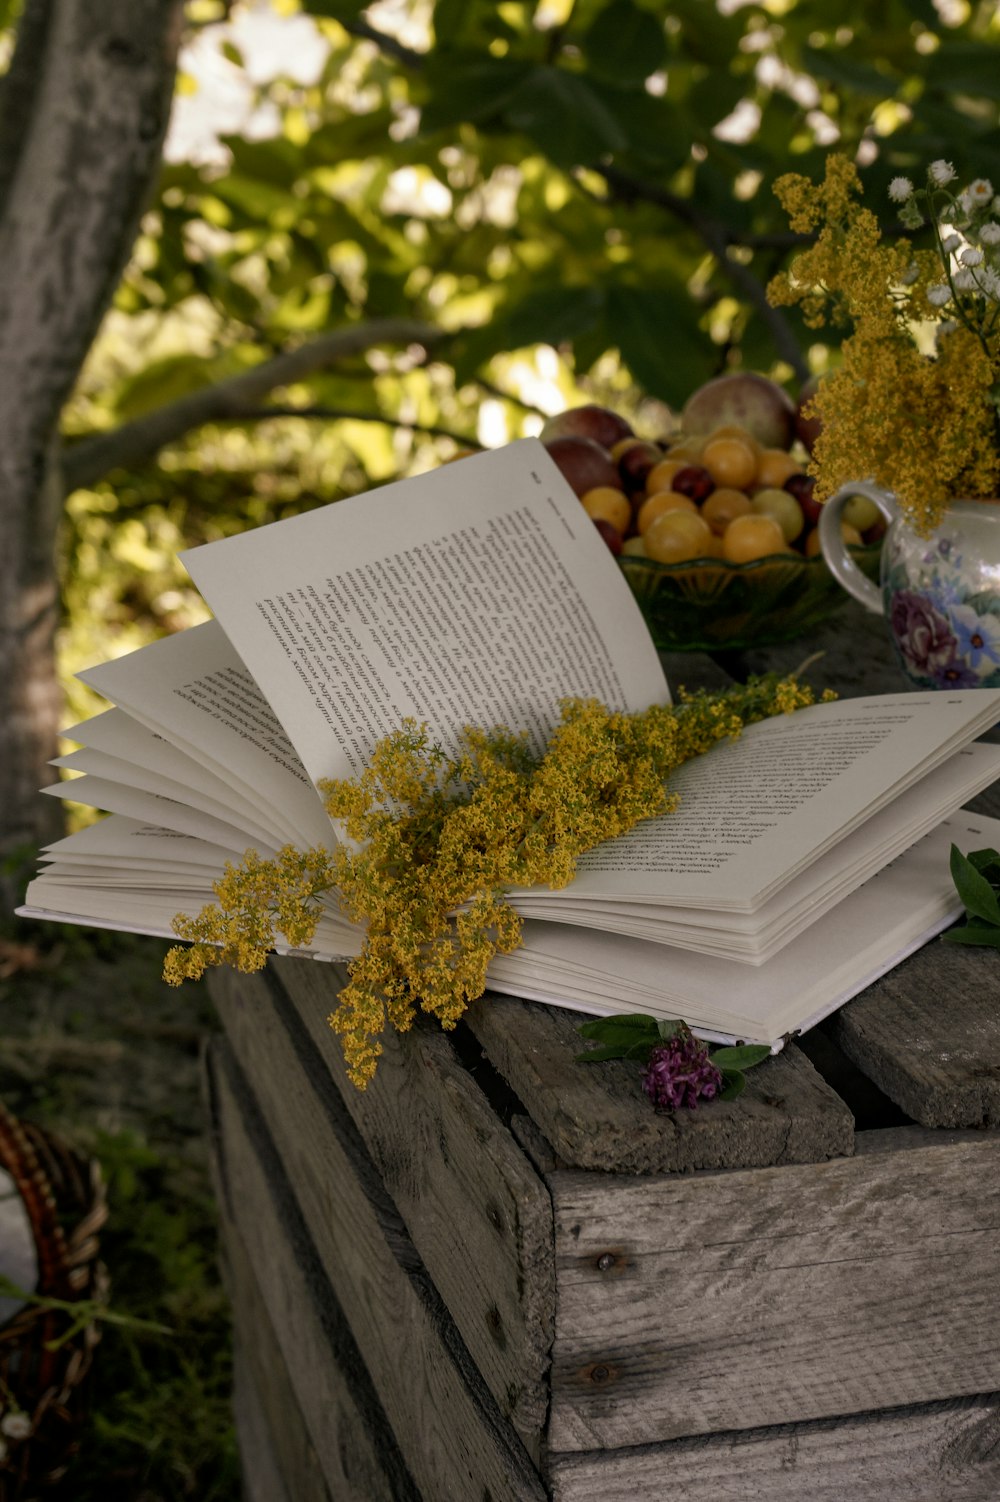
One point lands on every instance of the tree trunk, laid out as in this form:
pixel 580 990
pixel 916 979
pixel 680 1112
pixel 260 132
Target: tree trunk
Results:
pixel 83 113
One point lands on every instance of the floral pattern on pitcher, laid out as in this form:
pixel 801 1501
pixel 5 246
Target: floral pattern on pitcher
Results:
pixel 945 630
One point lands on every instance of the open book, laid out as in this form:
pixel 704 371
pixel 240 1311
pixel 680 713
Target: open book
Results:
pixel 807 857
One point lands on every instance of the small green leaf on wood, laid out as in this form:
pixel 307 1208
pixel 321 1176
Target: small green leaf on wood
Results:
pixel 733 1084
pixel 745 1056
pixel 630 1036
pixel 973 933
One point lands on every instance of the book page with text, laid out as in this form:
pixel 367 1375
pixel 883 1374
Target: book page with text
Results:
pixel 121 736
pixel 479 594
pixel 756 810
pixel 193 690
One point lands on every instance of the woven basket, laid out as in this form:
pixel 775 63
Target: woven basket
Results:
pixel 64 1200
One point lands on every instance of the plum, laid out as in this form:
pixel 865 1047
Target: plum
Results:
pixel 591 421
pixel 584 464
pixel 743 399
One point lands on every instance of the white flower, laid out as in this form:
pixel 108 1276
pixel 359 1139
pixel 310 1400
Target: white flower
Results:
pixel 16 1425
pixel 971 257
pixel 940 172
pixel 990 233
pixel 900 189
pixel 951 243
pixel 939 295
pixel 989 283
pixel 980 192
pixel 910 275
pixel 964 281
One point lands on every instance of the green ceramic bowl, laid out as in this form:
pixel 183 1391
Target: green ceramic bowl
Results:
pixel 713 606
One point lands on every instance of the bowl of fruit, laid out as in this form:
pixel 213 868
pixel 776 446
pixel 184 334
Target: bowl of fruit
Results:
pixel 714 527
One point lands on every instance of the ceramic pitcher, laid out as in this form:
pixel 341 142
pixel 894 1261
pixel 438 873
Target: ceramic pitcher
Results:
pixel 940 593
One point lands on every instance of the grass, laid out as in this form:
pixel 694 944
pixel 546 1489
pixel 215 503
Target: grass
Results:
pixel 97 1048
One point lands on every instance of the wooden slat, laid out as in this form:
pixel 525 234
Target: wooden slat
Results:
pixel 453 1439
pixel 941 1452
pixel 477 1212
pixel 736 1300
pixel 262 1476
pixel 265 1398
pixel 596 1116
pixel 928 1034
pixel 282 1301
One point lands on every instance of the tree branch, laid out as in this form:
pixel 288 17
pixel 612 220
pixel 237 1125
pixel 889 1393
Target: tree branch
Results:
pixel 91 459
pixel 384 42
pixel 342 414
pixel 718 239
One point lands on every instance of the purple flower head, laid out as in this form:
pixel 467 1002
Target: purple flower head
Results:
pixel 680 1072
pixel 922 634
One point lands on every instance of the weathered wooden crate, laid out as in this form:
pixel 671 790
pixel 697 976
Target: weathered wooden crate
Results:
pixel 497 1274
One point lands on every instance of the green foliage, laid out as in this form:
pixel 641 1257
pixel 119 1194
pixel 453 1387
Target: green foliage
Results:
pixel 977 881
pixel 532 174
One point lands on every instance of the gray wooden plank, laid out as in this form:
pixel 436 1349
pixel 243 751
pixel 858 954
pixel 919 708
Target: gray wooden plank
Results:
pixel 693 1304
pixel 478 1214
pixel 928 1034
pixel 278 1133
pixel 596 1115
pixel 922 1454
pixel 282 1302
pixel 268 1416
pixel 262 1478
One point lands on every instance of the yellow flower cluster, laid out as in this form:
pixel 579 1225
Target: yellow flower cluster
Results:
pixel 435 842
pixel 921 424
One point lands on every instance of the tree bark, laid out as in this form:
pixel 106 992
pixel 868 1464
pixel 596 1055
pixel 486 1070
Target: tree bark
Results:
pixel 82 119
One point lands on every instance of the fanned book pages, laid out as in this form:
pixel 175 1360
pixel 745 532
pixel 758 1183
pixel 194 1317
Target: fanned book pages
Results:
pixel 806 858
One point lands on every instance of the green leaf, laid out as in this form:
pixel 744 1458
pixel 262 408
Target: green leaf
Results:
pixel 630 1036
pixel 470 88
pixel 743 1057
pixel 733 1084
pixel 669 1029
pixel 823 62
pixel 638 1050
pixel 986 861
pixel 548 315
pixel 565 117
pixel 628 1025
pixel 973 933
pixel 975 891
pixel 624 43
pixel 657 333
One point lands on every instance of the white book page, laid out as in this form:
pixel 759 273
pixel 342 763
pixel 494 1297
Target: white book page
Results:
pixel 121 736
pixel 98 792
pixel 755 937
pixel 755 811
pixel 193 690
pixel 864 936
pixel 478 594
pixel 134 841
pixel 128 774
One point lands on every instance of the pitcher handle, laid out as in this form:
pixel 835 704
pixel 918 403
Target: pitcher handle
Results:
pixel 839 561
